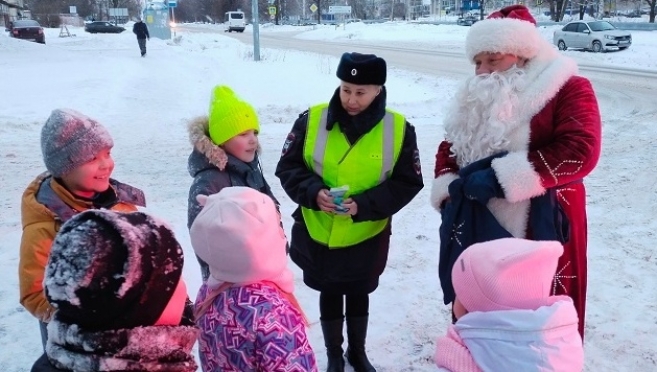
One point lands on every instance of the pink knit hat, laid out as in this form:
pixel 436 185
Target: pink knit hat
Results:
pixel 239 234
pixel 506 274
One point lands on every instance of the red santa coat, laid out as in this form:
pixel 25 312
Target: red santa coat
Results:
pixel 556 144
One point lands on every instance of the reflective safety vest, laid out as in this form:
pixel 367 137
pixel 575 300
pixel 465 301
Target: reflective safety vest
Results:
pixel 361 166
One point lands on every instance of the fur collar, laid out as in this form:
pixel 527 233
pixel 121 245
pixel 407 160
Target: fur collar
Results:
pixel 548 72
pixel 154 348
pixel 202 143
pixel 200 140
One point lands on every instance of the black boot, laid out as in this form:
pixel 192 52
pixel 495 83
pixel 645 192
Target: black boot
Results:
pixel 356 334
pixel 333 340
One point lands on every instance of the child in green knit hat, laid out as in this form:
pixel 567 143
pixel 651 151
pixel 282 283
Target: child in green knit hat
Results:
pixel 225 151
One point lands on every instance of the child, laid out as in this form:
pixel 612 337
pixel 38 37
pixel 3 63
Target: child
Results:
pixel 507 319
pixel 76 151
pixel 248 317
pixel 115 280
pixel 225 152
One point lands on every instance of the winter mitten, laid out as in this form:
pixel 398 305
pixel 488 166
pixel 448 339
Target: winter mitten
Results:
pixel 482 186
pixel 455 188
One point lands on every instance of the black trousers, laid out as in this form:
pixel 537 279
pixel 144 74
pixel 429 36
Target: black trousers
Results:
pixel 332 306
pixel 142 46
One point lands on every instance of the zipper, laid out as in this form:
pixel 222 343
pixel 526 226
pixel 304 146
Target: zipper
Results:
pixel 350 146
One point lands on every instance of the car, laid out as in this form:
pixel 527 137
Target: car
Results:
pixel 103 27
pixel 27 29
pixel 468 20
pixel 597 36
pixel 234 21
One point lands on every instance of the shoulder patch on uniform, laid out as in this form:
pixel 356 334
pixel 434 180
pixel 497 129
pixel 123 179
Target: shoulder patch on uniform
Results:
pixel 416 162
pixel 289 140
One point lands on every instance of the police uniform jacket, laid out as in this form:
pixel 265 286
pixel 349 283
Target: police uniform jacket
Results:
pixel 354 269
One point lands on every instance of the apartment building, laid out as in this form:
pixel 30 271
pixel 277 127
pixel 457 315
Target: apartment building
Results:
pixel 11 10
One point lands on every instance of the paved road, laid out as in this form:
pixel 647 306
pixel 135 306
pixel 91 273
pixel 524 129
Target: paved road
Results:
pixel 422 59
pixel 625 94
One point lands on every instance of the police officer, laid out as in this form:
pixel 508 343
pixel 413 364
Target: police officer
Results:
pixel 353 143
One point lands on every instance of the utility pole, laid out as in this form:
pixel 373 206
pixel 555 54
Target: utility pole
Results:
pixel 277 4
pixel 256 31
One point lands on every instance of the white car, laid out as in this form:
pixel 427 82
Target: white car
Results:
pixel 234 21
pixel 596 36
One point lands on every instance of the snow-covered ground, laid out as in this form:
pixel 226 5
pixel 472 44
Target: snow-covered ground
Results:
pixel 146 103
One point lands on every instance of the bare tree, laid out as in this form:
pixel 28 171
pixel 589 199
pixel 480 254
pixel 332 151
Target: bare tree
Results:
pixel 190 11
pixel 359 9
pixel 123 3
pixel 47 11
pixel 653 8
pixel 84 8
pixel 557 9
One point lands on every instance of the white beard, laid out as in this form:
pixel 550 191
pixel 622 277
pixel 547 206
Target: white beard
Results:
pixel 485 114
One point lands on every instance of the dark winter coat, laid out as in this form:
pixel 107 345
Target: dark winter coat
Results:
pixel 120 350
pixel 355 269
pixel 141 30
pixel 213 169
pixel 43 365
pixel 466 222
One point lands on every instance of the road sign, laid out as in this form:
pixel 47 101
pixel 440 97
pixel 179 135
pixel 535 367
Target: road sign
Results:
pixel 118 12
pixel 173 3
pixel 272 10
pixel 313 8
pixel 335 9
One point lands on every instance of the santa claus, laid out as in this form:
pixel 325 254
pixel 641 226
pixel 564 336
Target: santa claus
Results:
pixel 527 107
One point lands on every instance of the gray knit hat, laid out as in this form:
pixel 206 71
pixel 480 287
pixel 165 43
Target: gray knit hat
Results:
pixel 70 139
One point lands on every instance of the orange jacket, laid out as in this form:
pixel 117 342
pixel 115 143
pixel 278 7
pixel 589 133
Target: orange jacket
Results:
pixel 40 225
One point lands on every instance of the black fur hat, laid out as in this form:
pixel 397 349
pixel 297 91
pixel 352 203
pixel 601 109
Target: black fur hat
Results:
pixel 362 69
pixel 110 270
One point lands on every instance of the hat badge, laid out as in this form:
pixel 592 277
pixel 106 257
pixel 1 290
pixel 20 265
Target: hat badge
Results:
pixel 354 72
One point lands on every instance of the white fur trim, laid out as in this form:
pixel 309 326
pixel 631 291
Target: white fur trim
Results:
pixel 517 177
pixel 548 72
pixel 439 191
pixel 503 35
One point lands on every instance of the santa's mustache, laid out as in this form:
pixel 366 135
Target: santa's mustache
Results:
pixel 490 88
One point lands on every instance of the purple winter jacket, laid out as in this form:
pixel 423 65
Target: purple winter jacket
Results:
pixel 252 328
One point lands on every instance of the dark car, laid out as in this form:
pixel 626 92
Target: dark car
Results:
pixel 27 29
pixel 103 27
pixel 468 20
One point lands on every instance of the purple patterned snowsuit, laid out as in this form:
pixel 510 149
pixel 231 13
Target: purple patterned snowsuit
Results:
pixel 253 328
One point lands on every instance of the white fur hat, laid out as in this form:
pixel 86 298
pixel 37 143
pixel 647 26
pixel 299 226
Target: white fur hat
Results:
pixel 509 30
pixel 238 233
